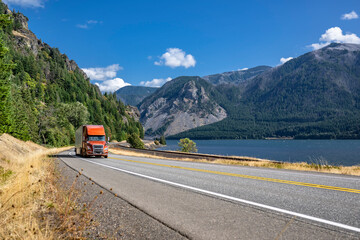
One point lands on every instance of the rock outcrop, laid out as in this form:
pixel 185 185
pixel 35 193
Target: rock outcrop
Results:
pixel 181 104
pixel 26 40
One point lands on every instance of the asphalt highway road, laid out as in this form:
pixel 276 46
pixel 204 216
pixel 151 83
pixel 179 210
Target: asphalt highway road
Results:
pixel 211 201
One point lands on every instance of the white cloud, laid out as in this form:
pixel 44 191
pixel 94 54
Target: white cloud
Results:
pixel 102 74
pixel 83 26
pixel 156 82
pixel 284 60
pixel 243 69
pixel 335 34
pixel 317 46
pixel 175 57
pixel 26 3
pixel 349 16
pixel 88 23
pixel 112 85
pixel 92 22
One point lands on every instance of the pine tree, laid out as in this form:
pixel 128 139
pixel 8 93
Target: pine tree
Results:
pixel 162 140
pixel 5 86
pixel 135 141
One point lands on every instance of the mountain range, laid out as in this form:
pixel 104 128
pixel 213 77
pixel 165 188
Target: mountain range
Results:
pixel 315 95
pixel 133 95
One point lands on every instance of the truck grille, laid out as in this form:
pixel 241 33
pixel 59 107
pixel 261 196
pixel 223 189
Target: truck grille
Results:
pixel 98 149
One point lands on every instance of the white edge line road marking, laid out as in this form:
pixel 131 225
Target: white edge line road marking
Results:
pixel 340 225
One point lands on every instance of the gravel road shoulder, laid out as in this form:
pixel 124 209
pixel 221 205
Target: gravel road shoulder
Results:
pixel 113 217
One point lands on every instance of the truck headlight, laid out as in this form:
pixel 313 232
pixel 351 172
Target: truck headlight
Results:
pixel 88 148
pixel 106 148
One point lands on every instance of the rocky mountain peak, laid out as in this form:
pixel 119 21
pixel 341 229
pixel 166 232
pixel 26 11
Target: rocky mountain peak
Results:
pixel 336 52
pixel 181 104
pixel 342 46
pixel 236 77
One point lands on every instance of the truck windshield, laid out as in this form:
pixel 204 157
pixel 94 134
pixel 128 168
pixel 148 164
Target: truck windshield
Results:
pixel 96 138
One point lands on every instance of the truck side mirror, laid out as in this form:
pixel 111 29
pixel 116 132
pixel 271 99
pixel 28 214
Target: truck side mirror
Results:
pixel 108 139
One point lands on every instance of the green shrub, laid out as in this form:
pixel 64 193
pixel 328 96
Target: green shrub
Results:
pixel 187 145
pixel 135 141
pixel 5 174
pixel 162 140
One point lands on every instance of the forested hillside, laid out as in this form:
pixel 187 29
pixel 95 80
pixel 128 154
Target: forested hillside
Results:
pixel 44 96
pixel 133 95
pixel 316 95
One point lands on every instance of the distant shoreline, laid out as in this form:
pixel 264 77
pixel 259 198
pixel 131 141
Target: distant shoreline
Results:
pixel 279 138
pixel 267 138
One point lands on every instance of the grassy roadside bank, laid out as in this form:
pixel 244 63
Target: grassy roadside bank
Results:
pixel 32 206
pixel 300 166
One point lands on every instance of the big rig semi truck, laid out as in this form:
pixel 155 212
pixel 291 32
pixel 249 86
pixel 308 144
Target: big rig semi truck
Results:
pixel 90 140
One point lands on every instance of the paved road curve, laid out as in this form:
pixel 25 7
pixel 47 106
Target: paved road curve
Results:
pixel 209 201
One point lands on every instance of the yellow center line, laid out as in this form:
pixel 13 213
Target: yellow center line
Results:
pixel 247 176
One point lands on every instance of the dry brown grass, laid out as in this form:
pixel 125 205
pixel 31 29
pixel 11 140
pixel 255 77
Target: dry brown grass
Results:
pixel 256 162
pixel 69 219
pixel 23 191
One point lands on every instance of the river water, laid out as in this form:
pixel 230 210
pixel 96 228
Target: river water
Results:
pixel 333 152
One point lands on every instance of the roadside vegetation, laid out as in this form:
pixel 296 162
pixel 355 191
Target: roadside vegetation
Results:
pixel 32 204
pixel 162 140
pixel 256 162
pixel 135 141
pixel 187 145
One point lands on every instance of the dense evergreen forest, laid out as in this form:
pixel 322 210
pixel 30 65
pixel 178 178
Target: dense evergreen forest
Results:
pixel 44 97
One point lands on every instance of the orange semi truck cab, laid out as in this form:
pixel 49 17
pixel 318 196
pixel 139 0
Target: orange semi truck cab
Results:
pixel 90 140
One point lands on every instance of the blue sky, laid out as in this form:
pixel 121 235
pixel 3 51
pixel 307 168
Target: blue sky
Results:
pixel 150 42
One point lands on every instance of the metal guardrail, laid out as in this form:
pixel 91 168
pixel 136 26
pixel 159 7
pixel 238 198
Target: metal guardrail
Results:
pixel 182 155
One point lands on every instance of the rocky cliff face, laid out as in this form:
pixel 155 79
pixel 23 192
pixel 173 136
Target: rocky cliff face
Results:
pixel 133 112
pixel 190 102
pixel 26 40
pixel 181 104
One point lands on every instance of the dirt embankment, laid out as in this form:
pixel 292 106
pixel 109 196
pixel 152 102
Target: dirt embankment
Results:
pixel 12 149
pixel 26 190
